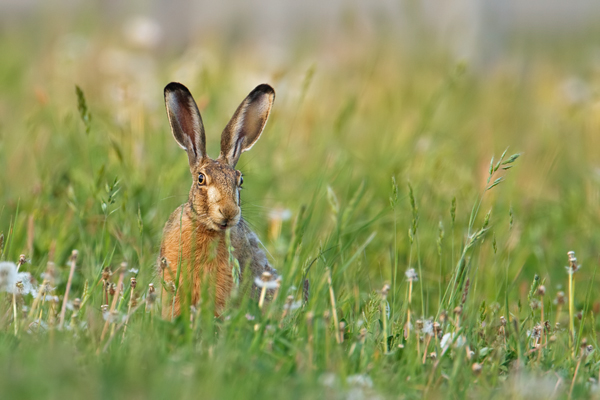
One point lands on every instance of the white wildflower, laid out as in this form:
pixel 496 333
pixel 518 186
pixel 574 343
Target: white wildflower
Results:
pixel 250 317
pixel 411 275
pixel 133 270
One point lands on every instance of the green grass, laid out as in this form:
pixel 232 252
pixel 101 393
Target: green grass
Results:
pixel 383 159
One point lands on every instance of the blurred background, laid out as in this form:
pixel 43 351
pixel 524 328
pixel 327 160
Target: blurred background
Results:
pixel 423 91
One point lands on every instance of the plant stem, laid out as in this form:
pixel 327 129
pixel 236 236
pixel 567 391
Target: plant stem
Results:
pixel 571 316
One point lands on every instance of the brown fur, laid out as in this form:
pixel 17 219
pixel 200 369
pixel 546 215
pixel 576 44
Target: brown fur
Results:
pixel 194 237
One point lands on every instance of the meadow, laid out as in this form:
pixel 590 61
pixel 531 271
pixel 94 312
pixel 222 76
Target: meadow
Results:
pixel 430 205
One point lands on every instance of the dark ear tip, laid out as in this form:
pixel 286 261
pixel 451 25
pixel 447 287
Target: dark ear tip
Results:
pixel 264 88
pixel 174 87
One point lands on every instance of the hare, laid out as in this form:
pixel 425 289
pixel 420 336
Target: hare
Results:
pixel 195 239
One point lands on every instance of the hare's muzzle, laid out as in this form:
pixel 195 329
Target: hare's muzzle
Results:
pixel 230 217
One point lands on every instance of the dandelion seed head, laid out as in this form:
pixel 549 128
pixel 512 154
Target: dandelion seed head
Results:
pixel 8 276
pixel 541 291
pixel 77 304
pixel 411 275
pixel 267 284
pixel 385 290
pixel 292 305
pixel 360 380
pixel 280 214
pixel 448 338
pixel 428 327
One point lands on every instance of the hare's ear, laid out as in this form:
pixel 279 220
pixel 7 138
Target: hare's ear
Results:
pixel 247 124
pixel 186 122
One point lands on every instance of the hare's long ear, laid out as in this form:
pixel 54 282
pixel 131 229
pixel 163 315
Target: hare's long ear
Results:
pixel 247 124
pixel 186 122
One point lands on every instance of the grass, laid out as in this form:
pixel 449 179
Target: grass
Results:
pixel 382 159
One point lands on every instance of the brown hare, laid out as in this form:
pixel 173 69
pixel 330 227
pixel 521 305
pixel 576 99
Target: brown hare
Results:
pixel 195 236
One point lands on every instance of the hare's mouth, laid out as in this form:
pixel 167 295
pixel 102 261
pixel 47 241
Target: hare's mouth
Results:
pixel 222 225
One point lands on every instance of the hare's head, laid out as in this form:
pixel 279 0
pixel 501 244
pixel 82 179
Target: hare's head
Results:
pixel 215 193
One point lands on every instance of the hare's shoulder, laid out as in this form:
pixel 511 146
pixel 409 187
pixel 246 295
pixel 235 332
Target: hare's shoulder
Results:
pixel 175 232
pixel 176 218
pixel 247 248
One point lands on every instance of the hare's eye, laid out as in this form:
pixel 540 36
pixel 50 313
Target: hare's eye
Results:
pixel 201 179
pixel 241 180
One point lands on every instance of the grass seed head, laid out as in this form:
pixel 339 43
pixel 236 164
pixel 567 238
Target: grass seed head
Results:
pixel 465 292
pixel 50 273
pixel 443 316
pixel 437 330
pixel 171 286
pixel 106 273
pixel 573 265
pixel 306 291
pixel 22 260
pixel 164 263
pixel 385 290
pixel 419 324
pixel 151 298
pixel 266 276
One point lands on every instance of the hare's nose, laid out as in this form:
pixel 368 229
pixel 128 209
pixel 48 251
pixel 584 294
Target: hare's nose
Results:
pixel 228 213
